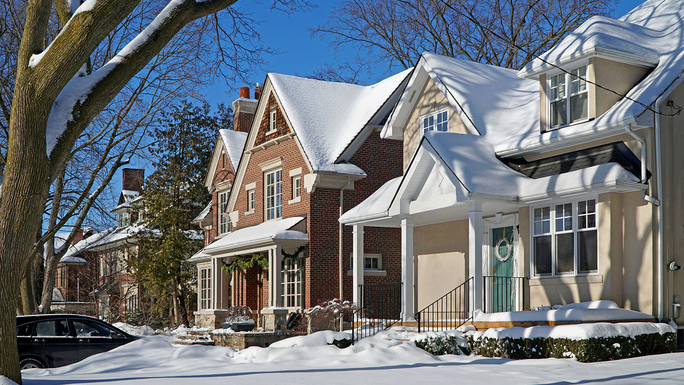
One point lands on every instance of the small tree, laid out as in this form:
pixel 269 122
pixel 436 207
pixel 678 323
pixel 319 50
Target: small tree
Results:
pixel 173 195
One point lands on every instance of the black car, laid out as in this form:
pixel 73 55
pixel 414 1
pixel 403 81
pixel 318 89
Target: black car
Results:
pixel 51 340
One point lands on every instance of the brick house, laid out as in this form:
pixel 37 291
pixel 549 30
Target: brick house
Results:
pixel 312 150
pixel 95 269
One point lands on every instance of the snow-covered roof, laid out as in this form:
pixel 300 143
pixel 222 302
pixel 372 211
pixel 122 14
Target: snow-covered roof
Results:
pixel 474 166
pixel 266 231
pixel 203 214
pixel 327 116
pixel 598 36
pixel 504 108
pixel 105 237
pixel 234 141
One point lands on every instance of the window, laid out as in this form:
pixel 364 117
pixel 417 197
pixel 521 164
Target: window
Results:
pixel 568 97
pixel 272 121
pixel 224 221
pixel 296 187
pixel 291 282
pixel 436 121
pixel 251 199
pixel 205 288
pixel 565 239
pixel 274 194
pixel 372 262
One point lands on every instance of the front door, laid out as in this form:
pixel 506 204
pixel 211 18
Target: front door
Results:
pixel 502 249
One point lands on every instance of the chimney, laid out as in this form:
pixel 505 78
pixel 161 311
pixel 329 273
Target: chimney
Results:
pixel 243 111
pixel 257 91
pixel 133 178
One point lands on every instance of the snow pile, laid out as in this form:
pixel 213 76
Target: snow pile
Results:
pixel 322 338
pixel 140 331
pixel 6 381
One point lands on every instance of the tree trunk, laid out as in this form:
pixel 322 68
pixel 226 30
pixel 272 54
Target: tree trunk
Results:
pixel 28 298
pixel 51 260
pixel 176 304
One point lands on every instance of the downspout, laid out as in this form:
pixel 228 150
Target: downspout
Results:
pixel 655 201
pixel 339 232
pixel 659 176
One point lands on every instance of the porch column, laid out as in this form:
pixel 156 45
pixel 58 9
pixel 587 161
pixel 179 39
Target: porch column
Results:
pixel 216 283
pixel 358 263
pixel 407 288
pixel 275 279
pixel 475 254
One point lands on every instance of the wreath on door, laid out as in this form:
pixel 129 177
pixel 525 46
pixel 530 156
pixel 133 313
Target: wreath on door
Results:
pixel 509 250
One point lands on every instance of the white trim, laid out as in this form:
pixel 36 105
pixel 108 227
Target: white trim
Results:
pixel 295 172
pixel 271 164
pixel 250 186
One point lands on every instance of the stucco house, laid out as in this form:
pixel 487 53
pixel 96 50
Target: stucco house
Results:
pixel 300 153
pixel 556 184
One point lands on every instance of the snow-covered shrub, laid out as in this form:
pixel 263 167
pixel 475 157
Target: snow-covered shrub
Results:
pixel 239 314
pixel 328 315
pixel 446 344
pixel 584 350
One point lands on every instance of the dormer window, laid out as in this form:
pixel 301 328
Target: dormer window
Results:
pixel 568 102
pixel 435 121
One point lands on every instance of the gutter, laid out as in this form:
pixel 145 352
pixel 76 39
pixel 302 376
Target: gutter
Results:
pixel 659 175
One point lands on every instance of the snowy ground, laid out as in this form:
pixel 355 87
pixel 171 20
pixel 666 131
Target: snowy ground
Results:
pixel 309 360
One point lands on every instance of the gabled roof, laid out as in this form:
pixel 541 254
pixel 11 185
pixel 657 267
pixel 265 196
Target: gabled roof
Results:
pixel 266 232
pixel 327 116
pixel 492 103
pixel 449 170
pixel 235 143
pixel 106 237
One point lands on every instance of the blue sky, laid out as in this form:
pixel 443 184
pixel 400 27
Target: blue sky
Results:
pixel 302 53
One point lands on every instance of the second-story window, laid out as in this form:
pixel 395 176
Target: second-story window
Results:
pixel 274 194
pixel 435 121
pixel 568 102
pixel 224 221
pixel 272 120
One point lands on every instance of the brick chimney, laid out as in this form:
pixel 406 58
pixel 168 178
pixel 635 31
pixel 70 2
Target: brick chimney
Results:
pixel 133 178
pixel 243 111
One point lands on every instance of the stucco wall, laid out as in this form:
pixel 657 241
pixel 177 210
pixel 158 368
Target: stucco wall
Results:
pixel 619 77
pixel 430 99
pixel 441 263
pixel 625 267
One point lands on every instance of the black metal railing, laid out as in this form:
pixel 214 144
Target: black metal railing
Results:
pixel 502 294
pixel 448 312
pixel 380 308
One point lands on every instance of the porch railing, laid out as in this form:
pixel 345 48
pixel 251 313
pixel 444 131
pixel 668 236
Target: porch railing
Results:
pixel 448 312
pixel 380 308
pixel 502 294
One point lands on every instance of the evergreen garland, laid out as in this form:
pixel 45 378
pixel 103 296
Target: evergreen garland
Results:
pixel 292 257
pixel 245 263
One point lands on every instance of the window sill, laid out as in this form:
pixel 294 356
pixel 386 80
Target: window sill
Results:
pixel 369 273
pixel 565 280
pixel 249 212
pixel 296 200
pixel 269 132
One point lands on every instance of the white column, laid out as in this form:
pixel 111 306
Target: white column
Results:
pixel 358 264
pixel 407 287
pixel 216 283
pixel 275 279
pixel 475 254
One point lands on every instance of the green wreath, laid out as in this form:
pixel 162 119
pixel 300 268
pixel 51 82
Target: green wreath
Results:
pixel 245 263
pixel 292 257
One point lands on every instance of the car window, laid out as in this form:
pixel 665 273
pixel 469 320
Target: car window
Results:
pixel 93 329
pixel 24 330
pixel 52 328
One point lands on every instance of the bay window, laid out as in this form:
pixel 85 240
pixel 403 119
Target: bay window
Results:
pixel 565 238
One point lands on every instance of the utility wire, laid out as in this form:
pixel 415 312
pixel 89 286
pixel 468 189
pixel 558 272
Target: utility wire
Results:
pixel 473 20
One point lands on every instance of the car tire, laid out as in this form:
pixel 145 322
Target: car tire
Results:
pixel 31 363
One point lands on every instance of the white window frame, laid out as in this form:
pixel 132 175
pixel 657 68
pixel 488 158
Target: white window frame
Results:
pixel 576 77
pixel 372 271
pixel 273 199
pixel 292 283
pixel 204 287
pixel 437 120
pixel 557 225
pixel 224 226
pixel 272 122
pixel 251 198
pixel 297 185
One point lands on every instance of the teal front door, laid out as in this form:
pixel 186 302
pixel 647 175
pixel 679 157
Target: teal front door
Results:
pixel 501 284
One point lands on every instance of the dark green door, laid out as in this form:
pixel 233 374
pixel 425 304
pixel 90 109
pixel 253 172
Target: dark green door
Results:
pixel 502 269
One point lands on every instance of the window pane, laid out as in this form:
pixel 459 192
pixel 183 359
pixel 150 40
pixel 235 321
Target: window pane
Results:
pixel 559 113
pixel 565 253
pixel 542 255
pixel 578 107
pixel 587 246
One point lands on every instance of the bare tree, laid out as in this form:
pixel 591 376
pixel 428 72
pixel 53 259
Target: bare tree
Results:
pixel 506 33
pixel 56 94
